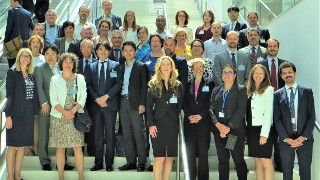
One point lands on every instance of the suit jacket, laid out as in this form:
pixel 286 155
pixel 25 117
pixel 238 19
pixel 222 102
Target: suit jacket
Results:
pixel 59 30
pixel 112 56
pixel 116 21
pixel 80 65
pixel 25 43
pixel 223 59
pixel 137 84
pixel 158 107
pixel 226 28
pixel 305 117
pixel 75 48
pixel 16 94
pixel 61 43
pixel 43 75
pixel 182 67
pixel 14 28
pixel 281 82
pixel 261 53
pixel 243 40
pixel 112 87
pixel 234 109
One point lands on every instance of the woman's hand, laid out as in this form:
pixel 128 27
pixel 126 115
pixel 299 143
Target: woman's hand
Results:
pixel 153 131
pixel 263 140
pixel 68 114
pixel 222 128
pixel 9 122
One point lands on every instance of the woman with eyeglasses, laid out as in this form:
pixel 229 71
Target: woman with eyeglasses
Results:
pixel 21 107
pixel 181 21
pixel 228 109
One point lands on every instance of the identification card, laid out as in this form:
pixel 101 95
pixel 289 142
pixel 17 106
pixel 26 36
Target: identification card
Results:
pixel 293 120
pixel 148 63
pixel 113 74
pixel 174 100
pixel 201 32
pixel 185 55
pixel 73 91
pixel 117 24
pixel 259 59
pixel 262 41
pixel 205 89
pixel 241 68
pixel 221 114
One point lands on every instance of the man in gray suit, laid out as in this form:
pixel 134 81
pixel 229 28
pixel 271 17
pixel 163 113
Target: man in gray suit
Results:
pixel 255 52
pixel 234 57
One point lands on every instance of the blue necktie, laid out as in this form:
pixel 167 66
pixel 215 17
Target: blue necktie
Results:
pixel 102 81
pixel 234 63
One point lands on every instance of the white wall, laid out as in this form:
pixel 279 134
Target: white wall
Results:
pixel 298 33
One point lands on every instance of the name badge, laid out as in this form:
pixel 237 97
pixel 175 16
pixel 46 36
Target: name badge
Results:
pixel 117 24
pixel 205 89
pixel 262 41
pixel 241 68
pixel 201 32
pixel 113 74
pixel 73 91
pixel 148 63
pixel 185 55
pixel 174 100
pixel 293 120
pixel 221 114
pixel 260 59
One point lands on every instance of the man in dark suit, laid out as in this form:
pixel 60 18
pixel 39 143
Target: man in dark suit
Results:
pixel 37 30
pixel 114 19
pixel 104 83
pixel 132 106
pixel 233 13
pixel 272 63
pixel 86 33
pixel 253 19
pixel 19 23
pixel 115 52
pixel 86 48
pixel 294 117
pixel 52 29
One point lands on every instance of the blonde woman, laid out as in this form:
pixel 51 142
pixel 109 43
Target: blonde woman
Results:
pixel 182 48
pixel 21 107
pixel 129 28
pixel 164 103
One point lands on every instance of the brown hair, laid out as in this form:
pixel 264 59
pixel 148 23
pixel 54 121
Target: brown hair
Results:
pixel 71 56
pixel 187 17
pixel 251 87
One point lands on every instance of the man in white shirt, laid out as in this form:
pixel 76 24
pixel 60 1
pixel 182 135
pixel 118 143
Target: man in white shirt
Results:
pixel 84 12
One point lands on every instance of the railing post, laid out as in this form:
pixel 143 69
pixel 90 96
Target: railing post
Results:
pixel 178 158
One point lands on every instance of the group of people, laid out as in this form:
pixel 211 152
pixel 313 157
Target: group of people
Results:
pixel 226 82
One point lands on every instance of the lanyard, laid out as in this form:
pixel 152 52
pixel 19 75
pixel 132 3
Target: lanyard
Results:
pixel 224 97
pixel 291 102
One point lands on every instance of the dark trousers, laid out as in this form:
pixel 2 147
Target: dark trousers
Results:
pixel 105 120
pixel 304 154
pixel 237 155
pixel 197 137
pixel 89 137
pixel 132 126
pixel 44 124
pixel 276 150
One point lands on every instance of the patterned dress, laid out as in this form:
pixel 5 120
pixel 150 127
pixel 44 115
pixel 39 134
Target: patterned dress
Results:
pixel 62 133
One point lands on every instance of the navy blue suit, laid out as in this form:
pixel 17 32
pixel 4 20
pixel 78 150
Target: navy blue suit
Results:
pixel 115 21
pixel 226 28
pixel 104 118
pixel 243 39
pixel 305 125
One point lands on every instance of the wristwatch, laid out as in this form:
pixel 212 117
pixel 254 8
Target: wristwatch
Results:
pixel 285 140
pixel 305 138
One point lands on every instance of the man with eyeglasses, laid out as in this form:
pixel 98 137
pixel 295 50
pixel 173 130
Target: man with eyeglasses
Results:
pixel 232 56
pixel 53 30
pixel 84 12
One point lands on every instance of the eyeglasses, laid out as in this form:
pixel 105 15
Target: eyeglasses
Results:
pixel 50 54
pixel 25 56
pixel 51 15
pixel 229 73
pixel 181 15
pixel 153 42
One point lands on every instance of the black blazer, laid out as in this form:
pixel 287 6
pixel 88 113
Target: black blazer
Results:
pixel 158 107
pixel 80 65
pixel 137 84
pixel 182 67
pixel 235 106
pixel 112 87
pixel 243 40
pixel 75 48
pixel 200 105
pixel 226 28
pixel 306 113
pixel 59 30
pixel 281 82
pixel 16 94
pixel 112 56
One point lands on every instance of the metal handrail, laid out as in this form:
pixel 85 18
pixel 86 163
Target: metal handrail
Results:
pixel 182 141
pixel 267 8
pixel 317 126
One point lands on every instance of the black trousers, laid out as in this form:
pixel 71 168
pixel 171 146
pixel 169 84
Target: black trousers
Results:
pixel 197 137
pixel 276 150
pixel 237 154
pixel 89 137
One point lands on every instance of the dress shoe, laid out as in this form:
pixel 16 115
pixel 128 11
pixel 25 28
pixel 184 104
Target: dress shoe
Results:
pixel 109 168
pixel 68 168
pixel 96 168
pixel 141 167
pixel 128 166
pixel 150 168
pixel 46 167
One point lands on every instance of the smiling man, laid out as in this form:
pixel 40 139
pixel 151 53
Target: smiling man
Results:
pixel 84 12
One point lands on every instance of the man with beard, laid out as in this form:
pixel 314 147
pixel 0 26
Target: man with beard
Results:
pixel 294 118
pixel 83 17
pixel 234 57
pixel 161 25
pixel 272 63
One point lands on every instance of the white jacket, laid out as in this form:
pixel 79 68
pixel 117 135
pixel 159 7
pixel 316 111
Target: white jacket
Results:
pixel 262 110
pixel 58 93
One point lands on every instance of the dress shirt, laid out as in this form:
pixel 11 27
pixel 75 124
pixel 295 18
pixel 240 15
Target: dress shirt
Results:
pixel 127 72
pixel 276 62
pixel 84 63
pixel 38 60
pixel 212 47
pixel 235 55
pixel 256 49
pixel 51 33
pixel 164 34
pixel 145 49
pixel 105 67
pixel 78 27
pixel 55 69
pixel 295 90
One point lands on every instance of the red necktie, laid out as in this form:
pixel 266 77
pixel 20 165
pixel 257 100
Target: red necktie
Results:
pixel 274 75
pixel 253 56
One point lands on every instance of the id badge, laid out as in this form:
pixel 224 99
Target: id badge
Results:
pixel 241 68
pixel 260 59
pixel 148 63
pixel 185 55
pixel 113 74
pixel 205 89
pixel 293 120
pixel 201 32
pixel 221 114
pixel 117 24
pixel 262 41
pixel 174 100
pixel 73 91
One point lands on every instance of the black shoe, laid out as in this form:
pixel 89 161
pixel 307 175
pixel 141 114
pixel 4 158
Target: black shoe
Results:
pixel 96 168
pixel 109 168
pixel 128 166
pixel 150 168
pixel 141 167
pixel 68 168
pixel 46 167
pixel 278 168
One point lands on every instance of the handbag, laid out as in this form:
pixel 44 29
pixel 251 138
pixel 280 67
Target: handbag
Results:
pixel 12 47
pixel 82 121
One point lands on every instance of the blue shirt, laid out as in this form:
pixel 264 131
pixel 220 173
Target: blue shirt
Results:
pixel 145 49
pixel 105 67
pixel 51 33
pixel 150 62
pixel 84 63
pixel 211 47
pixel 127 72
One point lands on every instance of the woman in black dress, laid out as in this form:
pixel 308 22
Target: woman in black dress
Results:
pixel 21 107
pixel 164 103
pixel 259 120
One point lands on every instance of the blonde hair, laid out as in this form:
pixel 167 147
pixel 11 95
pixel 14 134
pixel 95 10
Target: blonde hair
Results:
pixel 156 85
pixel 251 86
pixel 180 30
pixel 197 60
pixel 30 68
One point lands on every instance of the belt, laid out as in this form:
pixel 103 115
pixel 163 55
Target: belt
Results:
pixel 126 96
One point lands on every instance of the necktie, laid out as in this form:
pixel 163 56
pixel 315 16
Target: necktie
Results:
pixel 253 56
pixel 102 80
pixel 231 27
pixel 292 108
pixel 233 58
pixel 86 67
pixel 274 75
pixel 116 54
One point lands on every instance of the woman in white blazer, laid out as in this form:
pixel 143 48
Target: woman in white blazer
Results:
pixel 259 120
pixel 62 133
